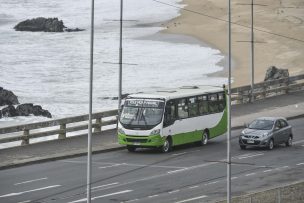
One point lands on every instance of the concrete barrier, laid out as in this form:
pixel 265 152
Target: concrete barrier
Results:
pixel 292 193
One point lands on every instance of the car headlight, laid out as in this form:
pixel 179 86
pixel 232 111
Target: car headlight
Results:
pixel 266 134
pixel 155 132
pixel 120 131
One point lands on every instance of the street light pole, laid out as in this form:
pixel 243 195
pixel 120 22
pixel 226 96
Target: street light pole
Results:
pixel 120 59
pixel 89 161
pixel 252 55
pixel 229 108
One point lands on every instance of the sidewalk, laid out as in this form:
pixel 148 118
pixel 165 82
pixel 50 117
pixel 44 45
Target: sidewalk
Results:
pixel 290 106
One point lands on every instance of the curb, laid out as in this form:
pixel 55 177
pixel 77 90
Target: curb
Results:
pixel 59 157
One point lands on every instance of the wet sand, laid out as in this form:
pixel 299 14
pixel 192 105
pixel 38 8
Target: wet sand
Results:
pixel 208 23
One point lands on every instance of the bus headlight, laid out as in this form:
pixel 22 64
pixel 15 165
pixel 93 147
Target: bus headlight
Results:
pixel 155 132
pixel 120 131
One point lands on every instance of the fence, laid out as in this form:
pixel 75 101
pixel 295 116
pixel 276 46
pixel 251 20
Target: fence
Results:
pixel 64 126
pixel 79 123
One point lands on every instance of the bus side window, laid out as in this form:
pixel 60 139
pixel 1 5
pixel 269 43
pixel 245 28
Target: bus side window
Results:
pixel 193 106
pixel 182 110
pixel 169 113
pixel 221 102
pixel 202 105
pixel 213 103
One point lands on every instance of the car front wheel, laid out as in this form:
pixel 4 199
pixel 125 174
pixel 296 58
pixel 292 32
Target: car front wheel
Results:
pixel 270 144
pixel 166 146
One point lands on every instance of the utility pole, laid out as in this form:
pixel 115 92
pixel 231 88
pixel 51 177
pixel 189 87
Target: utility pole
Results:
pixel 120 59
pixel 89 161
pixel 252 55
pixel 229 108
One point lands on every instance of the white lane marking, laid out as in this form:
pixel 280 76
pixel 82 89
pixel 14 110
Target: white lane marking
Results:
pixel 279 168
pixel 28 191
pixel 193 187
pixel 249 156
pixel 25 201
pixel 299 164
pixel 100 186
pixel 211 183
pixel 250 174
pixel 102 167
pixel 302 145
pixel 267 170
pixel 30 181
pixel 174 191
pixel 153 166
pixel 106 195
pixel 233 178
pixel 153 196
pixel 194 198
pixel 298 142
pixel 177 154
pixel 132 200
pixel 193 167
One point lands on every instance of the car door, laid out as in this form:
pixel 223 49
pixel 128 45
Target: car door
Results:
pixel 278 133
pixel 285 130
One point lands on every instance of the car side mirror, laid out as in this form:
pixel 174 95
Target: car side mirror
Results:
pixel 246 125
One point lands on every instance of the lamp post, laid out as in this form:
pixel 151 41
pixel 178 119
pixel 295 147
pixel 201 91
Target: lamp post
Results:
pixel 120 59
pixel 229 108
pixel 89 161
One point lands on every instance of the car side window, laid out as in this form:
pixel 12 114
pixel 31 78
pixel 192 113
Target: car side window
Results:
pixel 283 123
pixel 277 125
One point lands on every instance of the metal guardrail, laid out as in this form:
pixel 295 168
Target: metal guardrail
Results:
pixel 25 133
pixel 239 95
pixel 262 90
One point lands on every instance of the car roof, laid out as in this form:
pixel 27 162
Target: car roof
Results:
pixel 271 118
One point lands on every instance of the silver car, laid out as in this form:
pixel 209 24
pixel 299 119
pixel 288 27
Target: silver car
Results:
pixel 266 132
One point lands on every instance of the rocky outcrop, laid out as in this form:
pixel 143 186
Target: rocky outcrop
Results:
pixel 24 110
pixel 41 25
pixel 44 25
pixel 7 97
pixel 274 73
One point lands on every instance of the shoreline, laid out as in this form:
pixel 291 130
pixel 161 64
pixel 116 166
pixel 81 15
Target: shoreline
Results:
pixel 281 17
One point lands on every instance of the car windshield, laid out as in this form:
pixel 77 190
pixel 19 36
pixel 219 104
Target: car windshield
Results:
pixel 141 113
pixel 261 124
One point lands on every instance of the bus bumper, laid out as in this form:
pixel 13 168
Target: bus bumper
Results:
pixel 141 141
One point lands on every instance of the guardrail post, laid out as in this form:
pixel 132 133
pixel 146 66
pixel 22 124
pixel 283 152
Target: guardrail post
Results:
pixel 62 134
pixel 279 195
pixel 98 125
pixel 25 138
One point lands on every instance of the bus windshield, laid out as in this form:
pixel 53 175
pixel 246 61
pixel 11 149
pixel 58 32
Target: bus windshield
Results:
pixel 142 113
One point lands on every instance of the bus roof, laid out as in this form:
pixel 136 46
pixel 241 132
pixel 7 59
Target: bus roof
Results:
pixel 173 93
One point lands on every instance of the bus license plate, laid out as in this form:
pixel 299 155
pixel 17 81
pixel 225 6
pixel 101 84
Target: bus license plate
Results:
pixel 136 143
pixel 250 141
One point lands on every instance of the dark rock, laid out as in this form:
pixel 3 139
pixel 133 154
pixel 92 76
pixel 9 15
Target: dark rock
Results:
pixel 273 73
pixel 9 111
pixel 7 97
pixel 25 109
pixel 73 29
pixel 29 108
pixel 41 25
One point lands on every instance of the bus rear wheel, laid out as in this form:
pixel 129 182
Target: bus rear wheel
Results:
pixel 205 138
pixel 167 146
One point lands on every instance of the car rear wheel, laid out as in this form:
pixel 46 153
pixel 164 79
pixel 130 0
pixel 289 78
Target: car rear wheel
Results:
pixel 270 144
pixel 289 142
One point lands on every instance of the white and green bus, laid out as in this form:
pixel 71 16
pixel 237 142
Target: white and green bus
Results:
pixel 172 117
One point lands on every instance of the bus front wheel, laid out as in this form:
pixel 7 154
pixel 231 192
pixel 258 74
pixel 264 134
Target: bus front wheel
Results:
pixel 131 148
pixel 167 146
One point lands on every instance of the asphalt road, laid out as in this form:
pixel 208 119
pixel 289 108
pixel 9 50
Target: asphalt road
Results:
pixel 188 174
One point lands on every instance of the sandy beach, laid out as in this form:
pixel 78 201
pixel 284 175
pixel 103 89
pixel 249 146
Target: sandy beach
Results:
pixel 208 23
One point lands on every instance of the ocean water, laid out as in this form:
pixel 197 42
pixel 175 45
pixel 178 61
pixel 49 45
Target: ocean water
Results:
pixel 52 69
